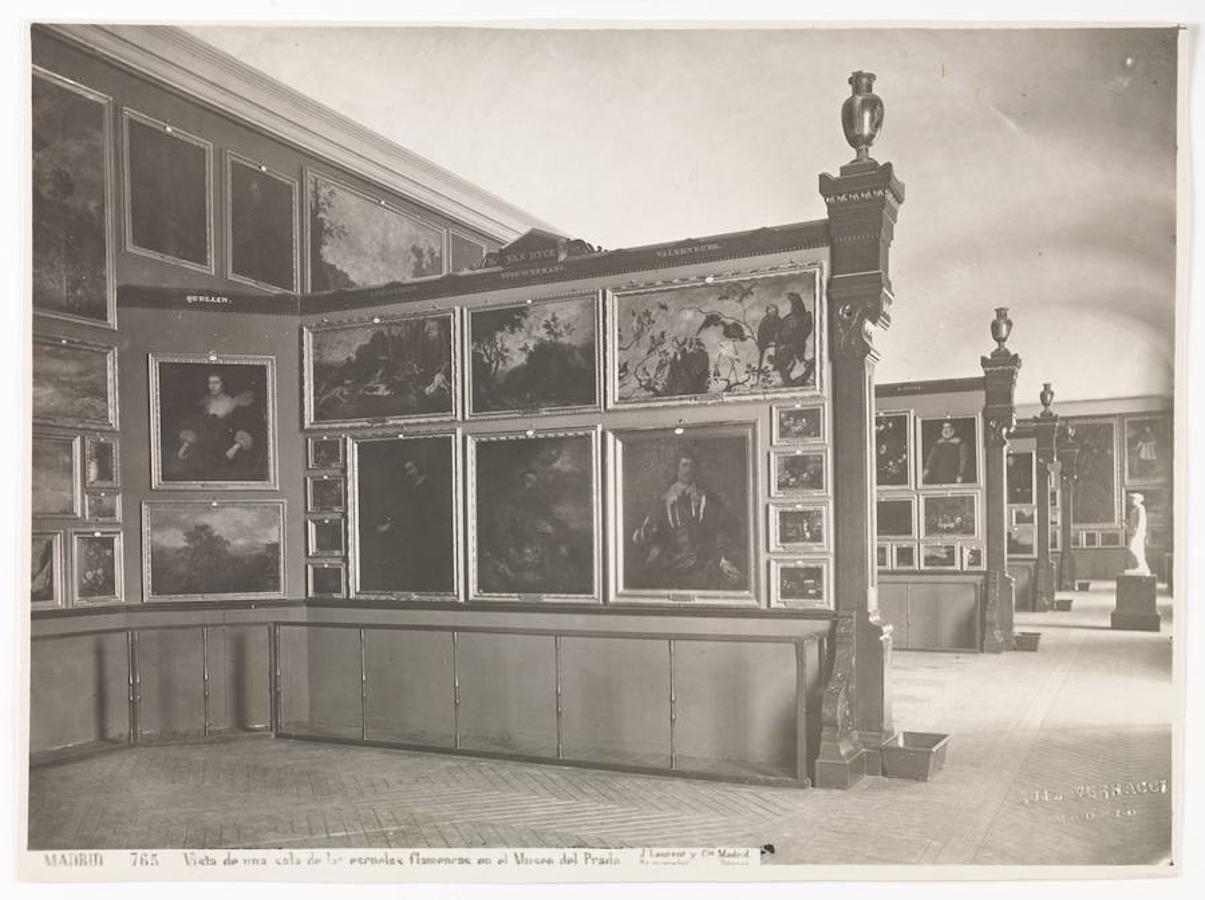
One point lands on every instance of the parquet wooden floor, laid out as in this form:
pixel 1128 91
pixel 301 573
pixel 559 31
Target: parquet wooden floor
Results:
pixel 1058 757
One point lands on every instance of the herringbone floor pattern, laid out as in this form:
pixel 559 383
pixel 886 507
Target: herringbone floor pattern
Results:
pixel 1058 757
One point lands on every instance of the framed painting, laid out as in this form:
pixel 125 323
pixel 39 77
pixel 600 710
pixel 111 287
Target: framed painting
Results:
pixel 1148 450
pixel 795 472
pixel 102 506
pixel 681 507
pixel 972 556
pixel 261 228
pixel 72 209
pixel 893 449
pixel 385 369
pixel 74 383
pixel 324 537
pixel 325 453
pixel 464 253
pixel 213 422
pixel 96 561
pixel 1096 500
pixel 716 339
pixel 939 556
pixel 1113 539
pixel 358 240
pixel 168 193
pixel 904 556
pixel 324 493
pixel 800 584
pixel 46 569
pixel 534 520
pixel 1056 540
pixel 798 527
pixel 798 424
pixel 1024 515
pixel 325 580
pixel 1091 538
pixel 55 478
pixel 101 465
pixel 535 357
pixel 896 517
pixel 949 450
pixel 1021 540
pixel 1019 477
pixel 213 550
pixel 404 524
pixel 882 556
pixel 949 515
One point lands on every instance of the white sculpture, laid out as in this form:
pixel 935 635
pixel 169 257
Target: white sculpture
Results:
pixel 1136 537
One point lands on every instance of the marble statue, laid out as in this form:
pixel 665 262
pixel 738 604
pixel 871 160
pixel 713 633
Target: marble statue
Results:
pixel 1136 537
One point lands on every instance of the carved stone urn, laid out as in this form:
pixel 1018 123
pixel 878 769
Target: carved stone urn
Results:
pixel 1046 397
pixel 862 115
pixel 1002 327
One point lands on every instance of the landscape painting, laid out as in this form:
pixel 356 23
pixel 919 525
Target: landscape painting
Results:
pixel 939 556
pixel 893 462
pixel 97 564
pixel 213 550
pixel 534 357
pixel 534 515
pixel 684 511
pixel 262 237
pixel 72 205
pixel 55 481
pixel 384 370
pixel 167 193
pixel 1096 475
pixel 405 496
pixel 74 383
pixel 360 241
pixel 715 339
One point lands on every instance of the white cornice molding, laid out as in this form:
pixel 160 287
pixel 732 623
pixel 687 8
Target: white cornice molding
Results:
pixel 187 64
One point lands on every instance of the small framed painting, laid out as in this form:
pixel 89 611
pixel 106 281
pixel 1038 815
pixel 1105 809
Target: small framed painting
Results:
pixel 893 449
pixel 46 569
pixel 882 556
pixel 56 476
pixel 798 472
pixel 1021 540
pixel 325 537
pixel 101 469
pixel 324 493
pixel 102 506
pixel 939 556
pixel 798 527
pixel 325 453
pixel 896 517
pixel 904 556
pixel 800 584
pixel 951 515
pixel 326 580
pixel 97 564
pixel 798 424
pixel 74 383
pixel 972 556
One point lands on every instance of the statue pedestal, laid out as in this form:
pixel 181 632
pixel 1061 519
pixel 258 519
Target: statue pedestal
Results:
pixel 1135 609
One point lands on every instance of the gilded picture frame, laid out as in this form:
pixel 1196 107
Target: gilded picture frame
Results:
pixel 102 468
pixel 102 505
pixel 801 583
pixel 46 588
pixel 74 383
pixel 1147 444
pixel 810 532
pixel 950 515
pixel 889 523
pixel 426 450
pixel 187 550
pixel 325 536
pixel 798 423
pixel 318 583
pixel 1092 467
pixel 800 472
pixel 92 580
pixel 234 441
pixel 56 490
pixel 894 449
pixel 627 514
pixel 107 227
pixel 648 364
pixel 903 556
pixel 943 556
pixel 324 452
pixel 966 426
pixel 232 159
pixel 534 537
pixel 325 494
pixel 352 393
pixel 130 119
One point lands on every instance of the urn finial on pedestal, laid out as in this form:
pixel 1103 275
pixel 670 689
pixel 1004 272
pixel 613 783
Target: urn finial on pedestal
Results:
pixel 1002 327
pixel 862 115
pixel 1046 397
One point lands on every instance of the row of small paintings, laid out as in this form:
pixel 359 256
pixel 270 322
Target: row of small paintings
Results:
pixel 95 568
pixel 946 515
pixel 75 477
pixel 949 556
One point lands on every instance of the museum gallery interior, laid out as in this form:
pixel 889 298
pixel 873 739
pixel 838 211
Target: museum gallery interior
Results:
pixel 336 455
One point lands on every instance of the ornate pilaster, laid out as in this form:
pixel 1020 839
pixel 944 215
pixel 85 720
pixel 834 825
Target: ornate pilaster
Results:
pixel 1045 426
pixel 1068 452
pixel 863 202
pixel 1000 370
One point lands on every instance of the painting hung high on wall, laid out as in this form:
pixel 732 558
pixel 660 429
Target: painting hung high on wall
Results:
pixel 1096 475
pixel 360 241
pixel 74 383
pixel 955 515
pixel 201 550
pixel 682 513
pixel 213 421
pixel 168 188
pixel 101 466
pixel 533 515
pixel 56 476
pixel 1148 450
pixel 715 339
pixel 892 438
pixel 261 238
pixel 394 369
pixel 97 564
pixel 949 452
pixel 46 569
pixel 404 518
pixel 1019 476
pixel 797 424
pixel 72 201
pixel 534 357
